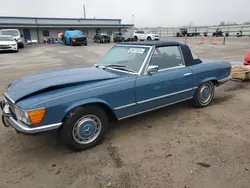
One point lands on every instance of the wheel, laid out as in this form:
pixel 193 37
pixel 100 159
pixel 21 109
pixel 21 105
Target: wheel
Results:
pixel 85 44
pixel 204 95
pixel 135 38
pixel 64 41
pixel 108 41
pixel 17 50
pixel 84 128
pixel 20 45
pixel 149 38
pixel 71 42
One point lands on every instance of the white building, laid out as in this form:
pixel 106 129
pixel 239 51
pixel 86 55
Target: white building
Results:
pixel 34 28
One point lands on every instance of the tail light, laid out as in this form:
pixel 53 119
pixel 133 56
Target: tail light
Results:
pixel 230 71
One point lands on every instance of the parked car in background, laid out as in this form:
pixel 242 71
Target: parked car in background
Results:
pixel 74 37
pixel 102 38
pixel 219 33
pixel 123 37
pixel 131 79
pixel 187 32
pixel 145 35
pixel 15 34
pixel 8 43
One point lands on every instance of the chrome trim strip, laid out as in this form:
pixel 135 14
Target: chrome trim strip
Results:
pixel 195 88
pixel 155 108
pixel 177 67
pixel 28 130
pixel 182 56
pixel 225 79
pixel 187 74
pixel 146 60
pixel 163 96
pixel 137 45
pixel 125 106
pixel 121 70
pixel 7 96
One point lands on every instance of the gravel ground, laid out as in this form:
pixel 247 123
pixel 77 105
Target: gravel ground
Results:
pixel 160 149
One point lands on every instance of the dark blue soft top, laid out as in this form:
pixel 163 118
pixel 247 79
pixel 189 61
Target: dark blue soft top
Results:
pixel 189 60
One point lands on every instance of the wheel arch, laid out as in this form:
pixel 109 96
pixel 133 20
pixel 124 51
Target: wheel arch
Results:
pixel 214 80
pixel 98 102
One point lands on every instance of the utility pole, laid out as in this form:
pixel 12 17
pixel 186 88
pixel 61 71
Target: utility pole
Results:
pixel 84 11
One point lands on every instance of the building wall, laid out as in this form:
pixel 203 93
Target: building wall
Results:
pixel 89 32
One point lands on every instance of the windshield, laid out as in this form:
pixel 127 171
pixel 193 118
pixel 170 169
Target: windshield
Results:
pixel 13 33
pixel 6 38
pixel 129 57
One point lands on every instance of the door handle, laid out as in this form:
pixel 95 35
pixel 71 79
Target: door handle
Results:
pixel 187 74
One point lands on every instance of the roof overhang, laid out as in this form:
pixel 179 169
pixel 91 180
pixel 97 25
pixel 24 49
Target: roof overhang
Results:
pixel 66 25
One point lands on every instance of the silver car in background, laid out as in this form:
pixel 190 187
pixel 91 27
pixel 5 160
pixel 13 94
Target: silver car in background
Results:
pixel 15 34
pixel 8 43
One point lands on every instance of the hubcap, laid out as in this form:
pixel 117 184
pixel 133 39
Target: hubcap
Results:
pixel 87 129
pixel 205 93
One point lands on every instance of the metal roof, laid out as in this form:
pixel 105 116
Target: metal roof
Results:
pixel 49 18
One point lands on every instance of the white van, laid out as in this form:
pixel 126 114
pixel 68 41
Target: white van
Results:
pixel 15 34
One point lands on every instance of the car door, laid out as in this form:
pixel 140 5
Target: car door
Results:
pixel 172 83
pixel 143 33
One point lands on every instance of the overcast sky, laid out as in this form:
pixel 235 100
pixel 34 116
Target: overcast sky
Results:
pixel 146 12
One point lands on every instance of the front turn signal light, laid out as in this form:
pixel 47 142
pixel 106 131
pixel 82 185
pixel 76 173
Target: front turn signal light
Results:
pixel 36 116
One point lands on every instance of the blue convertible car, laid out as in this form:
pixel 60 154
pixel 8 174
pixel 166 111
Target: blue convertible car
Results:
pixel 132 78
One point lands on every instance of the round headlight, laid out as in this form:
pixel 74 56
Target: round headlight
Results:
pixel 21 115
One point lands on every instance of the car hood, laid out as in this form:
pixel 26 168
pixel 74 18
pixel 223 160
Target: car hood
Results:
pixel 77 36
pixel 50 80
pixel 7 42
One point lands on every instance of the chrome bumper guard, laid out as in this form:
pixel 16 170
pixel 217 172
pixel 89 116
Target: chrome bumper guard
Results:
pixel 8 121
pixel 224 80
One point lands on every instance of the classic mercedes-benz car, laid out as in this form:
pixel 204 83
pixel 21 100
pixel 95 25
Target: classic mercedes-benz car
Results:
pixel 132 78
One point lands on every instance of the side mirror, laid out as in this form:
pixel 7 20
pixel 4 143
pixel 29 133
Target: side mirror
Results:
pixel 152 68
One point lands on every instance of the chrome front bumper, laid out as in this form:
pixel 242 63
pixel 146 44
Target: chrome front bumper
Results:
pixel 19 126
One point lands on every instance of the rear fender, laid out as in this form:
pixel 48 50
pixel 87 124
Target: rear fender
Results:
pixel 208 79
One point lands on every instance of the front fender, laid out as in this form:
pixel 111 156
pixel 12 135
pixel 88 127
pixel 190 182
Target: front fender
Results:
pixel 85 102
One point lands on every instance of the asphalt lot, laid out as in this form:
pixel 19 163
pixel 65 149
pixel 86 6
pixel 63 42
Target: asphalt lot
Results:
pixel 158 149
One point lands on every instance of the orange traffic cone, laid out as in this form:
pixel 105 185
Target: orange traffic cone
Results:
pixel 214 40
pixel 185 38
pixel 202 40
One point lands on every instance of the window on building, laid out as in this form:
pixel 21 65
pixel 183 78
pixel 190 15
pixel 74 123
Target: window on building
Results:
pixel 46 33
pixel 167 57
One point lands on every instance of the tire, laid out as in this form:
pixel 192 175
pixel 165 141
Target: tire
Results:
pixel 149 38
pixel 85 44
pixel 204 95
pixel 135 38
pixel 64 41
pixel 21 45
pixel 71 42
pixel 87 117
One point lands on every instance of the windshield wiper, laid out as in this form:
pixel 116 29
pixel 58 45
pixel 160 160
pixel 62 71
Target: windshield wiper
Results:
pixel 119 67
